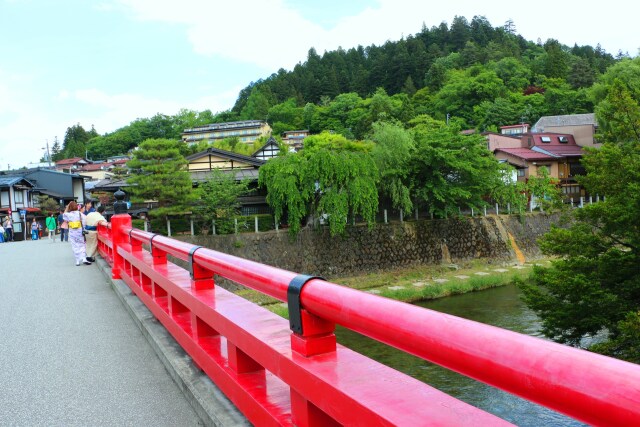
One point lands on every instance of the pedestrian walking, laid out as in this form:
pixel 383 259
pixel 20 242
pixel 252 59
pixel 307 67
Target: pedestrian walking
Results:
pixel 76 221
pixel 8 228
pixel 34 229
pixel 93 220
pixel 64 227
pixel 51 227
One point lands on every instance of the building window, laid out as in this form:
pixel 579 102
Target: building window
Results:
pixel 545 139
pixel 520 172
pixel 19 197
pixel 563 139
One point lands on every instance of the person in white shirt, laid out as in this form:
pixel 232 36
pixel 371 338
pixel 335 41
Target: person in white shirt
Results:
pixel 91 226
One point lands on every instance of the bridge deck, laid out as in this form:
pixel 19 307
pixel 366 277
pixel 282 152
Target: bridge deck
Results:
pixel 69 352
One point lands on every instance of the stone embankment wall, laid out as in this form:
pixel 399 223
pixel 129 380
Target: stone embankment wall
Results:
pixel 388 246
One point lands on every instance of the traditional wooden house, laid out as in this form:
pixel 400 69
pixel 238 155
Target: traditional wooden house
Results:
pixel 16 201
pixel 241 167
pixel 558 153
pixel 268 151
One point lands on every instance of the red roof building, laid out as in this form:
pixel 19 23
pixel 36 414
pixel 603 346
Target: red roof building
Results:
pixel 556 152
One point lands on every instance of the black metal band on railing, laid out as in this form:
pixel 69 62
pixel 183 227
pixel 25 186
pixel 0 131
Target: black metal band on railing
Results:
pixel 293 300
pixel 190 259
pixel 151 243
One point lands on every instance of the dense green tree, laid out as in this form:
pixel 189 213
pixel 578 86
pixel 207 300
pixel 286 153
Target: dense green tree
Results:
pixel 593 286
pixel 450 170
pixel 285 116
pixel 464 89
pixel 158 172
pixel 75 140
pixel 218 200
pixel 332 178
pixel 515 75
pixel 581 74
pixel 56 150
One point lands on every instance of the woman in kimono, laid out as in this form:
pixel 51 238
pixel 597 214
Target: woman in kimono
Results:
pixel 76 221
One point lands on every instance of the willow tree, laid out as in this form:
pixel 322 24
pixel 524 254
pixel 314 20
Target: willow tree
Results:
pixel 159 173
pixel 392 153
pixel 333 178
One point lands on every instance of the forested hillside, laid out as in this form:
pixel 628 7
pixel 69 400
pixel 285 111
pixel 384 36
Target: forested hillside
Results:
pixel 478 75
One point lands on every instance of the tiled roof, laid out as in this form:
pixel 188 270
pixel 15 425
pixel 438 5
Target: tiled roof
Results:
pixel 71 161
pixel 566 120
pixel 561 150
pixel 525 153
pixel 11 180
pixel 95 167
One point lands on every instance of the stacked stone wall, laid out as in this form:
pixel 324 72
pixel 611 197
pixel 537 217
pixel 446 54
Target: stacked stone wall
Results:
pixel 388 246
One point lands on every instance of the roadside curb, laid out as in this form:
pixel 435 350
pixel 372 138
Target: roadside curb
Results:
pixel 211 405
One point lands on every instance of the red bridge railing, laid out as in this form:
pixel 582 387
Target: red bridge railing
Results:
pixel 304 378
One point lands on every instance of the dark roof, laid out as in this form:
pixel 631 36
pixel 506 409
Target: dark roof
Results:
pixel 270 141
pixel 24 172
pixel 228 154
pixel 239 174
pixel 110 184
pixel 11 180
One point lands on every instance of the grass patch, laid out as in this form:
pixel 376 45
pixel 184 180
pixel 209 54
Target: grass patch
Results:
pixel 406 277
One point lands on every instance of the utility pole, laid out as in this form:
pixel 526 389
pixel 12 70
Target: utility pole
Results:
pixel 48 154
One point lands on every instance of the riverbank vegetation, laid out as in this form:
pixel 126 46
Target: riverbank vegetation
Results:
pixel 420 283
pixel 593 287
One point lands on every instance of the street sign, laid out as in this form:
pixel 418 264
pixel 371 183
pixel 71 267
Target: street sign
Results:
pixel 23 212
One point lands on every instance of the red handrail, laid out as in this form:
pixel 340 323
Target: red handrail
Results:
pixel 589 387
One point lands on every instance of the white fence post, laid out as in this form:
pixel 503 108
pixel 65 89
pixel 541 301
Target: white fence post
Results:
pixel 192 230
pixel 235 220
pixel 581 201
pixel 471 211
pixel 485 211
pixel 509 208
pixel 385 216
pixel 256 223
pixel 497 211
pixel 213 226
pixel 168 227
pixel 401 215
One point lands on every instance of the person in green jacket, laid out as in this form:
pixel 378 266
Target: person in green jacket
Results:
pixel 51 227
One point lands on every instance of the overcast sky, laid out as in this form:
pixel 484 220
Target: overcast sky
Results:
pixel 107 62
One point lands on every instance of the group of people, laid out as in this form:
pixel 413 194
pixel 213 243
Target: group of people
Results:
pixel 77 224
pixel 6 230
pixel 81 225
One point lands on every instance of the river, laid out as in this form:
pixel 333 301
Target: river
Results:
pixel 500 307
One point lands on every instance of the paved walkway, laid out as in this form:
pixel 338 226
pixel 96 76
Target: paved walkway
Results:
pixel 69 352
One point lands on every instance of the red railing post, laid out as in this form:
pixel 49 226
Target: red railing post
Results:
pixel 317 336
pixel 201 278
pixel 119 223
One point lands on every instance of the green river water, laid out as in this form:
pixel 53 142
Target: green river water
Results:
pixel 500 307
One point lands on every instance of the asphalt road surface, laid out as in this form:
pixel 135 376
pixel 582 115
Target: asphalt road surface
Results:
pixel 70 355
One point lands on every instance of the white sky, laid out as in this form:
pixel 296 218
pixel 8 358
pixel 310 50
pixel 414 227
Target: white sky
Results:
pixel 107 62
